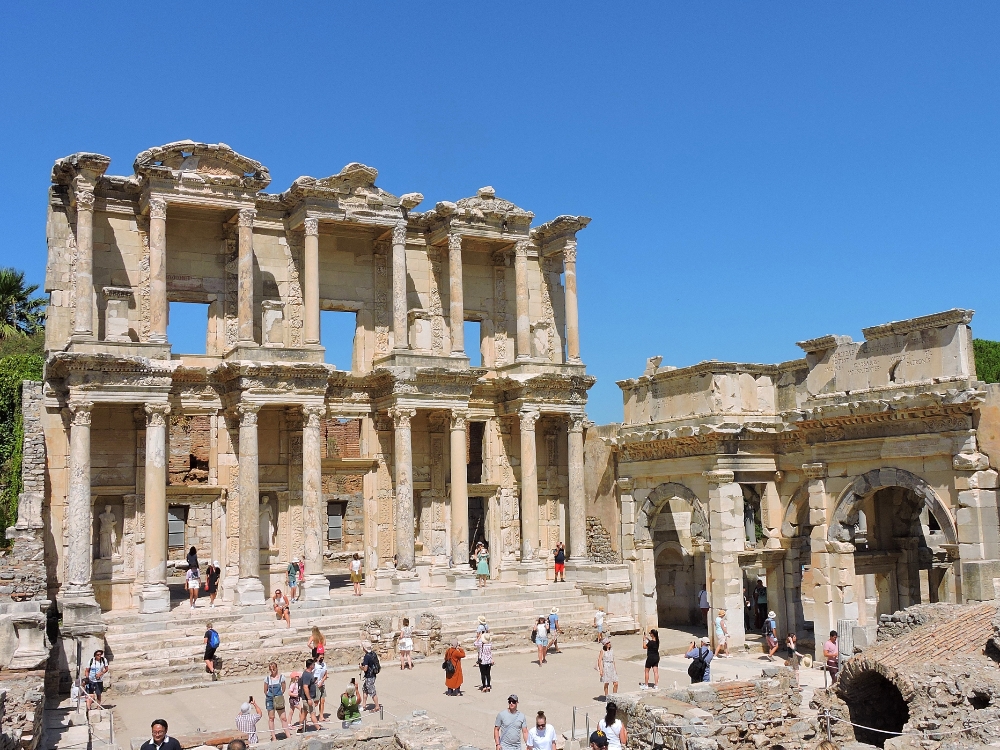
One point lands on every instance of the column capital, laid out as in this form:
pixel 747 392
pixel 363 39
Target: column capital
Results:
pixel 454 240
pixel 625 484
pixel 528 418
pixel 521 248
pixel 401 417
pixel 575 422
pixel 156 414
pixel 312 413
pixel 569 251
pixel 247 215
pixel 459 419
pixel 83 195
pixel 311 226
pixel 399 233
pixel 81 412
pixel 248 413
pixel 719 476
pixel 814 470
pixel 157 208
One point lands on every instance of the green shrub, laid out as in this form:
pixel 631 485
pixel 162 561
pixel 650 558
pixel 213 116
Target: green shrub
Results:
pixel 13 370
pixel 987 360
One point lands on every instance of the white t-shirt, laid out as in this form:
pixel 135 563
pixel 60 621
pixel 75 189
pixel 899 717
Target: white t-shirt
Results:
pixel 613 732
pixel 541 631
pixel 355 566
pixel 543 740
pixel 599 617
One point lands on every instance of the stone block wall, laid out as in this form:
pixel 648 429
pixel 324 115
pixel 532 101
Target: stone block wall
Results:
pixel 341 439
pixel 22 704
pixel 190 448
pixel 599 545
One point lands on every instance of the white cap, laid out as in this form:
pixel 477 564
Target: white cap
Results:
pixel 245 708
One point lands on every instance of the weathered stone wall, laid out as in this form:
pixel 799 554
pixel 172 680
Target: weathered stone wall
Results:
pixel 22 704
pixel 190 443
pixel 599 478
pixel 600 545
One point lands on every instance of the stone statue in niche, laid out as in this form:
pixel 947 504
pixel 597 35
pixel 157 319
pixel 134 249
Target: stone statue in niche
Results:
pixel 109 533
pixel 266 524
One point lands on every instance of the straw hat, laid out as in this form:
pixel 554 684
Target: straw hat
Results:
pixel 487 637
pixel 482 619
pixel 366 645
pixel 555 610
pixel 807 661
pixel 771 614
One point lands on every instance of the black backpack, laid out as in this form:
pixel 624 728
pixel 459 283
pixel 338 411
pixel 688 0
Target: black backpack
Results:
pixel 698 666
pixel 374 666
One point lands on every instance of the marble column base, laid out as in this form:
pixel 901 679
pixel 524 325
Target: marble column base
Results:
pixel 383 579
pixel 154 597
pixel 532 573
pixel 508 572
pixel 248 591
pixel 315 588
pixel 461 580
pixel 79 607
pixel 406 582
pixel 437 576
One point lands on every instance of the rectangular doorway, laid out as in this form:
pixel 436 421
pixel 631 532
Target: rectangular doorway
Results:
pixel 477 522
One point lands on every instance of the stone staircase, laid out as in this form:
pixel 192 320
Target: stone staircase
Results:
pixel 157 652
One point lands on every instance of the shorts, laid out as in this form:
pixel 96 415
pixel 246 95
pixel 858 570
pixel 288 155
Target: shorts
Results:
pixel 268 702
pixel 194 584
pixel 560 567
pixel 292 583
pixel 94 688
pixel 309 707
pixel 600 629
pixel 652 662
pixel 321 692
pixel 542 641
pixel 369 687
pixel 771 641
pixel 209 653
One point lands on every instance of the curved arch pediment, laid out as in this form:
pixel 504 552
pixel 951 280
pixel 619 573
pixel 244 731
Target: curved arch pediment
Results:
pixel 214 162
pixel 659 498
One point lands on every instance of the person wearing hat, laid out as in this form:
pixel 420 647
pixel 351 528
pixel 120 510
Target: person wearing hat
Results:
pixel 484 647
pixel 703 652
pixel 771 634
pixel 721 633
pixel 511 728
pixel 482 627
pixel 598 740
pixel 370 668
pixel 554 631
pixel 293 579
pixel 247 718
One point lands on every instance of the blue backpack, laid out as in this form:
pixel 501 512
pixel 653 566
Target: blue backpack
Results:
pixel 213 639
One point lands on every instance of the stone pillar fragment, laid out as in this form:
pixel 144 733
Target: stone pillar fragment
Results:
pixel 158 310
pixel 824 619
pixel 529 486
pixel 317 585
pixel 311 281
pixel 154 595
pixel 403 459
pixel 245 267
pixel 399 326
pixel 521 290
pixel 976 522
pixel 577 507
pixel 727 534
pixel 79 512
pixel 249 589
pixel 84 200
pixel 459 491
pixel 572 311
pixel 455 294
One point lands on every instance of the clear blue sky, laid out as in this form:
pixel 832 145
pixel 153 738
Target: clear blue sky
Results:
pixel 757 173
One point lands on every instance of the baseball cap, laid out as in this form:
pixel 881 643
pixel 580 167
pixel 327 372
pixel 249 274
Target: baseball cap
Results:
pixel 512 698
pixel 599 738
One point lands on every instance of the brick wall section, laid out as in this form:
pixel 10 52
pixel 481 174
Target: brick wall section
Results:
pixel 341 439
pixel 599 542
pixel 190 444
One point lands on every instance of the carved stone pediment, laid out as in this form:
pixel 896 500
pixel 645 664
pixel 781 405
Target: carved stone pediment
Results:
pixel 213 163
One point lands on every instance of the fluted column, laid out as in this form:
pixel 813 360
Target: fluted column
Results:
pixel 572 311
pixel 529 486
pixel 577 510
pixel 79 511
pixel 521 289
pixel 459 490
pixel 399 326
pixel 154 595
pixel 84 198
pixel 311 287
pixel 245 298
pixel 456 294
pixel 249 589
pixel 317 586
pixel 158 270
pixel 403 461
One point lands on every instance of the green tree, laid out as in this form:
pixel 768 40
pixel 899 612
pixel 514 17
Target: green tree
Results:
pixel 987 360
pixel 20 313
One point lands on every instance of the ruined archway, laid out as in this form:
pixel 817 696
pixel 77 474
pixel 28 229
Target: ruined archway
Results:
pixel 877 697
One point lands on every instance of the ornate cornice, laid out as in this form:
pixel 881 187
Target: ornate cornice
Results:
pixel 719 476
pixel 214 163
pixel 817 470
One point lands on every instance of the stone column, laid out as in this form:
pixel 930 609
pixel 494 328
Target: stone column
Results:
pixel 577 510
pixel 84 274
pixel 529 486
pixel 249 589
pixel 399 330
pixel 154 595
pixel 521 290
pixel 403 460
pixel 572 311
pixel 79 511
pixel 311 286
pixel 459 491
pixel 824 619
pixel 317 586
pixel 727 536
pixel 158 309
pixel 245 296
pixel 456 297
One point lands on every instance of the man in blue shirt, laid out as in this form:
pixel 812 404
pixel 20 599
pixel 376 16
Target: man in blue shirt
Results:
pixel 705 652
pixel 554 630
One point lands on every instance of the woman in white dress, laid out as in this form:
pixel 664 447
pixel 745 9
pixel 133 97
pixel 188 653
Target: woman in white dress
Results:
pixel 606 667
pixel 406 645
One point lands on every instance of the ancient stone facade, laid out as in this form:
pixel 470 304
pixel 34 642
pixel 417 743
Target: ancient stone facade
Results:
pixel 851 483
pixel 245 451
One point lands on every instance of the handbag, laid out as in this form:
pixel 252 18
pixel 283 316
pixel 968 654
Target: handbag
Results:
pixel 279 702
pixel 341 712
pixel 448 667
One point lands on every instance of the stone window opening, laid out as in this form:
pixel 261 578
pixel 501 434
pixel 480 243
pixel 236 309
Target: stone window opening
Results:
pixel 176 526
pixel 474 437
pixel 188 327
pixel 753 526
pixel 338 331
pixel 473 336
pixel 334 522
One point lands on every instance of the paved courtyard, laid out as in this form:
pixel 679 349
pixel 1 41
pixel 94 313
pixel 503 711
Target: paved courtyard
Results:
pixel 568 679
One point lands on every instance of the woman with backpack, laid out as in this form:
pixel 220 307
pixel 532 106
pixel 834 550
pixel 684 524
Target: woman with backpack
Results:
pixel 274 698
pixel 211 643
pixel 453 677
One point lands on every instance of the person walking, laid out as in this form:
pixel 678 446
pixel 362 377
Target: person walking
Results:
pixel 356 574
pixel 651 643
pixel 94 681
pixel 599 624
pixel 159 739
pixel 212 575
pixel 559 554
pixel 542 736
pixel 554 631
pixel 510 729
pixel 307 697
pixel 613 728
pixel 831 652
pixel 293 698
pixel 541 639
pixel 606 667
pixel 282 608
pixel 301 579
pixel 293 579
pixel 700 670
pixel 192 559
pixel 317 642
pixel 794 657
pixel 721 633
pixel 484 648
pixel 212 641
pixel 193 584
pixel 370 667
pixel 350 706
pixel 247 719
pixel 453 677
pixel 482 627
pixel 274 698
pixel 771 634
pixel 406 645
pixel 319 672
pixel 482 565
